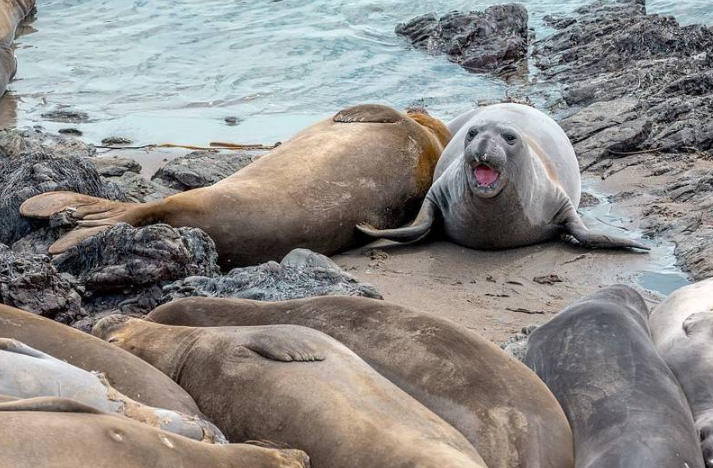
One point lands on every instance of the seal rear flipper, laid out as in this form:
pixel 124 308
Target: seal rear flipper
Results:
pixel 74 237
pixel 417 230
pixel 278 345
pixel 93 214
pixel 574 226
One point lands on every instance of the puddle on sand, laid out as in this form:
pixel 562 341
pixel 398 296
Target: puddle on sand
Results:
pixel 661 275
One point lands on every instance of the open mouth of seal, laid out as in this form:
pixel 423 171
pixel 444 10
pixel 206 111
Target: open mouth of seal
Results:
pixel 485 175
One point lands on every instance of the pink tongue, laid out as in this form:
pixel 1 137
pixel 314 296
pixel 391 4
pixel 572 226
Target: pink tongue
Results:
pixel 485 175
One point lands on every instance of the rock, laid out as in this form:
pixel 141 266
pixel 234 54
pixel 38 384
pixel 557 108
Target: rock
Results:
pixel 300 274
pixel 588 200
pixel 126 173
pixel 32 283
pixel 70 131
pixel 115 166
pixel 123 269
pixel 202 168
pixel 492 40
pixel 628 66
pixel 116 141
pixel 232 120
pixel 34 162
pixel 66 116
pixel 138 189
pixel 516 345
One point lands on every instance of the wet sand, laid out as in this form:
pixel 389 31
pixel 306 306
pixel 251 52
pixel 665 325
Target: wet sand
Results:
pixel 495 292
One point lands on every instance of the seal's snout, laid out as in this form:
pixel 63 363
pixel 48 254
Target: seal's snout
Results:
pixel 485 161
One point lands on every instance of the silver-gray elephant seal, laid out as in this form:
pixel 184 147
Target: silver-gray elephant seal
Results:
pixel 508 178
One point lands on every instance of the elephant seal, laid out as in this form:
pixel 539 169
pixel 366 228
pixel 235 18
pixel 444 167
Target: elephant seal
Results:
pixel 368 162
pixel 682 329
pixel 12 12
pixel 28 373
pixel 297 386
pixel 508 178
pixel 497 403
pixel 64 433
pixel 622 401
pixel 126 373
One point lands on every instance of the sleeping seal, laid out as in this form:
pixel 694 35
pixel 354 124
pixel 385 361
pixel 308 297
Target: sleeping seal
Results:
pixel 368 162
pixel 126 373
pixel 622 401
pixel 497 403
pixel 508 178
pixel 297 386
pixel 682 328
pixel 28 373
pixel 63 433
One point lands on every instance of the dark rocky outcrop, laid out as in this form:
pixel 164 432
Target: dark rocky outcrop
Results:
pixel 32 283
pixel 647 81
pixel 493 40
pixel 126 173
pixel 202 168
pixel 638 91
pixel 123 269
pixel 301 273
pixel 34 162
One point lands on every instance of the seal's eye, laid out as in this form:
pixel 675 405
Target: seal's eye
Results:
pixel 510 138
pixel 472 133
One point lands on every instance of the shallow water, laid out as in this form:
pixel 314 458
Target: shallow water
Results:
pixel 661 275
pixel 172 70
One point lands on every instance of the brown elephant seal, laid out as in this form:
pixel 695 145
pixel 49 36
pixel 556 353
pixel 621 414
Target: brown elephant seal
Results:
pixel 368 162
pixel 28 373
pixel 126 373
pixel 624 404
pixel 682 329
pixel 297 386
pixel 63 433
pixel 508 178
pixel 12 12
pixel 497 403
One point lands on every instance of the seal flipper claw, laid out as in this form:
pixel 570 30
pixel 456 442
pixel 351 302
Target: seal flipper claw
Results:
pixel 284 348
pixel 419 229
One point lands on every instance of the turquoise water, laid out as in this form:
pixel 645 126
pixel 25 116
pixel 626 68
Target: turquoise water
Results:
pixel 172 70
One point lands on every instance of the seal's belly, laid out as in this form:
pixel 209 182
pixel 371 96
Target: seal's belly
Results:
pixel 502 231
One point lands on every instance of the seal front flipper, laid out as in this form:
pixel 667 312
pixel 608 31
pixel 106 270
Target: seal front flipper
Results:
pixel 281 346
pixel 419 229
pixel 573 225
pixel 93 214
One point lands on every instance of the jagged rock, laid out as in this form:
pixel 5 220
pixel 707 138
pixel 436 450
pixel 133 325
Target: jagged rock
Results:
pixel 34 162
pixel 301 273
pixel 202 168
pixel 126 173
pixel 115 166
pixel 613 54
pixel 118 141
pixel 123 268
pixel 479 41
pixel 66 116
pixel 33 284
